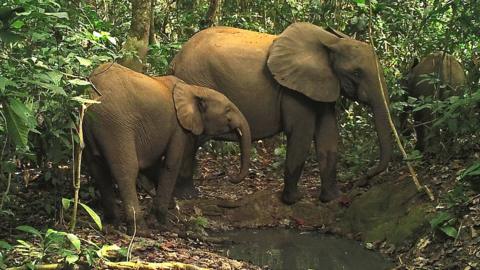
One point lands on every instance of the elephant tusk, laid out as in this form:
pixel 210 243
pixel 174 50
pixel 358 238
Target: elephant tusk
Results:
pixel 239 132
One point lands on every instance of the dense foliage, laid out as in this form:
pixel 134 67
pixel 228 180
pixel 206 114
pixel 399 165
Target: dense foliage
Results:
pixel 48 49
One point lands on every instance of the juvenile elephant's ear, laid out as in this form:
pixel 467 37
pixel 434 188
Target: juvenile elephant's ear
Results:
pixel 187 99
pixel 299 59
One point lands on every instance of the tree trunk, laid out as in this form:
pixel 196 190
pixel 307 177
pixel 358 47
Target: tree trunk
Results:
pixel 210 15
pixel 151 37
pixel 136 45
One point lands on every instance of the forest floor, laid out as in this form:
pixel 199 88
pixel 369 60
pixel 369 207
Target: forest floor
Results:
pixel 187 240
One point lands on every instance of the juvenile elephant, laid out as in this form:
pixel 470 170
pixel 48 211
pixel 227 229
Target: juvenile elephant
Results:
pixel 448 78
pixel 144 124
pixel 290 83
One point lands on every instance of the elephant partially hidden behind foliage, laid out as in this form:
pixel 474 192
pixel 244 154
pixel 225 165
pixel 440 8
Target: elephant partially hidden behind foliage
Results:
pixel 143 124
pixel 437 76
pixel 290 83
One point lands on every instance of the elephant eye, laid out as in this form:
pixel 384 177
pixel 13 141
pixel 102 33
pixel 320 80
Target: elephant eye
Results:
pixel 356 73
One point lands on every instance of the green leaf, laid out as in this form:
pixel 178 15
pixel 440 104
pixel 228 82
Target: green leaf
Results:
pixel 71 259
pixel 5 245
pixel 17 116
pixel 61 15
pixel 440 218
pixel 4 82
pixel 17 24
pixel 28 229
pixel 473 170
pixel 108 251
pixel 74 240
pixel 450 231
pixel 93 215
pixel 78 82
pixel 85 100
pixel 66 203
pixel 55 77
pixel 84 61
pixel 54 88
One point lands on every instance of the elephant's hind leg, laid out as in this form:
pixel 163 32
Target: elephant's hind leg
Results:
pixel 326 141
pixel 299 123
pixel 123 163
pixel 103 181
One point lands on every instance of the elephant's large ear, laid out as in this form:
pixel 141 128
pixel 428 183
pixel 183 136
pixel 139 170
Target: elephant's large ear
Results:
pixel 336 32
pixel 188 100
pixel 299 59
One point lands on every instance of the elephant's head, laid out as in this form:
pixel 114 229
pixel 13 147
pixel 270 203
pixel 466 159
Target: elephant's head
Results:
pixel 322 64
pixel 204 111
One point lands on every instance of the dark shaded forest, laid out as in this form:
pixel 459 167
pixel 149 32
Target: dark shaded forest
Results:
pixel 419 212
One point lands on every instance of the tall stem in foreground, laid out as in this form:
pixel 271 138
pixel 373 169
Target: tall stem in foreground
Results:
pixel 77 164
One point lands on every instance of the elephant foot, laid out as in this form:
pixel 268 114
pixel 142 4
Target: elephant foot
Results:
pixel 291 197
pixel 185 192
pixel 327 195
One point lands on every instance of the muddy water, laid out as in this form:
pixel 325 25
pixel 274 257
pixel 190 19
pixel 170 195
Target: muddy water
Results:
pixel 287 249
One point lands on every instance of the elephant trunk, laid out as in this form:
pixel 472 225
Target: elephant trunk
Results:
pixel 245 138
pixel 382 126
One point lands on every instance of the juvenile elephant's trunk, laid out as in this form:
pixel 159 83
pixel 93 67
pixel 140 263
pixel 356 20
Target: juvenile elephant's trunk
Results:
pixel 245 138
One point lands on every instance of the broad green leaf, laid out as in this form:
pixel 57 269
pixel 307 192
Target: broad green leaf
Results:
pixel 66 203
pixel 28 229
pixel 79 82
pixel 61 15
pixel 5 245
pixel 54 88
pixel 473 170
pixel 51 232
pixel 17 24
pixel 450 231
pixel 92 214
pixel 4 82
pixel 112 40
pixel 71 259
pixel 17 115
pixel 74 240
pixel 55 77
pixel 440 218
pixel 85 100
pixel 84 61
pixel 107 250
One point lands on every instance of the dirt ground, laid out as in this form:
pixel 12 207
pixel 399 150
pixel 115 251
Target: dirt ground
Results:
pixel 188 240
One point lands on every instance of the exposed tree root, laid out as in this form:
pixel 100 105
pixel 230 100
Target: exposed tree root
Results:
pixel 152 266
pixel 122 266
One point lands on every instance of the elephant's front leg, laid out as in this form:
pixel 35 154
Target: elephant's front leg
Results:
pixel 326 141
pixel 184 187
pixel 299 123
pixel 168 174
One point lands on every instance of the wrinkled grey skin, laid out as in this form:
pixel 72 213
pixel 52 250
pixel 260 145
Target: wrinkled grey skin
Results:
pixel 290 83
pixel 419 83
pixel 143 125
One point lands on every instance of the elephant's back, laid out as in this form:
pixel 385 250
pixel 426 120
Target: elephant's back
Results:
pixel 444 65
pixel 234 62
pixel 234 37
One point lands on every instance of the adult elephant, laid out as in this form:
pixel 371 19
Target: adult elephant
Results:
pixel 437 76
pixel 290 83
